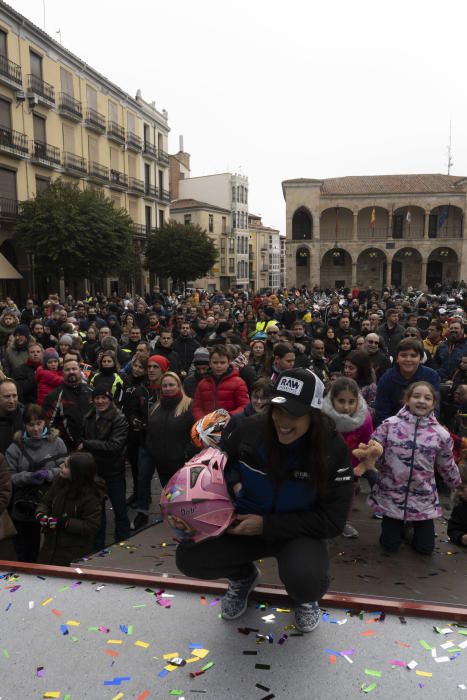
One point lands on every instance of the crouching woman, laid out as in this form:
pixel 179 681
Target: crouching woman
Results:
pixel 291 479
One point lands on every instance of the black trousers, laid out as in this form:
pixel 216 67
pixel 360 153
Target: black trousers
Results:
pixel 392 534
pixel 303 562
pixel 28 540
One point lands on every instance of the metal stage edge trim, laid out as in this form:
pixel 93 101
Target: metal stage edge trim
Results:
pixel 332 599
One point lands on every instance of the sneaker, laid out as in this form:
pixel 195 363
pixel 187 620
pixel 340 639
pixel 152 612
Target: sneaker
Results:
pixel 140 521
pixel 307 617
pixel 235 601
pixel 349 531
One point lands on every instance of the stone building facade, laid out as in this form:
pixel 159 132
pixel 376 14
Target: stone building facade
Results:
pixel 404 230
pixel 61 118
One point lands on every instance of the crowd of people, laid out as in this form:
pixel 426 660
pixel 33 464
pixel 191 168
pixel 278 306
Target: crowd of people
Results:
pixel 91 387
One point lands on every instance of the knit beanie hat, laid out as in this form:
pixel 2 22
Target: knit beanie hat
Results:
pixel 49 354
pixel 223 327
pixel 161 361
pixel 66 338
pixel 22 329
pixel 101 390
pixel 201 356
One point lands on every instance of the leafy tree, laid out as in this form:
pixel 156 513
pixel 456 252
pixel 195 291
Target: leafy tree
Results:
pixel 74 233
pixel 180 251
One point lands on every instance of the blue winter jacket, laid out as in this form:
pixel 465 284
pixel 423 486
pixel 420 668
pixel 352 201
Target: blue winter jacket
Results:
pixel 290 503
pixel 391 388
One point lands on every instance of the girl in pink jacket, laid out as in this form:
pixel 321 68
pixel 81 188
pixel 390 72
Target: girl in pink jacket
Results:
pixel 49 375
pixel 349 411
pixel 414 446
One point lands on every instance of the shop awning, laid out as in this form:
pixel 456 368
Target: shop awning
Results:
pixel 7 271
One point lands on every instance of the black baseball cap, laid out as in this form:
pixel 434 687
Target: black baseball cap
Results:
pixel 298 391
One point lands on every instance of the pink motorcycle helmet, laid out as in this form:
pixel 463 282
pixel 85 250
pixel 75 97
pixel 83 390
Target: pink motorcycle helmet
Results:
pixel 195 503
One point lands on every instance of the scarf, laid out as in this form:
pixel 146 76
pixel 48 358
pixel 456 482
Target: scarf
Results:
pixel 345 423
pixel 171 401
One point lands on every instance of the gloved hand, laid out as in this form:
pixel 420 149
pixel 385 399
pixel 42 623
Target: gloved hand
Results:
pixel 42 519
pixel 47 474
pixel 58 522
pixel 38 477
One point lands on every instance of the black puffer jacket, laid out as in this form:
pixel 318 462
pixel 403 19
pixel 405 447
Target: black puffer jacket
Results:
pixel 25 378
pixel 185 348
pixel 291 506
pixel 65 407
pixel 105 436
pixel 63 545
pixel 168 437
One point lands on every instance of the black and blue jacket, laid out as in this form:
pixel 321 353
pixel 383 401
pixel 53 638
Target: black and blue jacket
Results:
pixel 290 505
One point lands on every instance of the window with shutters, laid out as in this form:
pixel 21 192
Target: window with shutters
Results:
pixel 131 165
pixel 91 97
pixel 147 176
pixel 68 138
pixel 41 184
pixel 133 209
pixel 224 224
pixel 5 115
pixel 3 51
pixel 211 223
pixel 66 82
pixel 114 159
pixel 161 182
pixel 131 122
pixel 116 200
pixel 36 64
pixel 147 217
pixel 113 112
pixel 161 218
pixel 39 129
pixel 93 149
pixel 8 182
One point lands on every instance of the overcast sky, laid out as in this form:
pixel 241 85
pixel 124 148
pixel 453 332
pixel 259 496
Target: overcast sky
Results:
pixel 279 90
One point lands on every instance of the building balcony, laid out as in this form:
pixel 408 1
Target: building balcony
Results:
pixel 73 164
pixel 133 142
pixel 45 155
pixel 450 232
pixel 13 143
pixel 150 191
pixel 118 180
pixel 95 121
pixel 164 195
pixel 115 132
pixel 98 172
pixel 140 231
pixel 162 157
pixel 44 92
pixel 372 234
pixel 339 235
pixel 149 150
pixel 410 234
pixel 69 107
pixel 8 209
pixel 10 73
pixel 135 185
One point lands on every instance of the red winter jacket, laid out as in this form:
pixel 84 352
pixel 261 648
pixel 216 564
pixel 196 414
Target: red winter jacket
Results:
pixel 230 393
pixel 47 380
